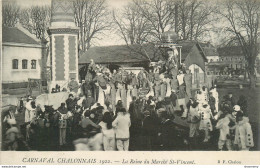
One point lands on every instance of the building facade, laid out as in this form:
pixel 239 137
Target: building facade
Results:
pixel 21 56
pixel 210 52
pixel 233 57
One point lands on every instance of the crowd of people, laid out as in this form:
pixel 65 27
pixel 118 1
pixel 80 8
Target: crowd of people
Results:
pixel 124 111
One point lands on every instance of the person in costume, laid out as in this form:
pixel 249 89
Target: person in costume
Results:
pixel 73 86
pixel 205 122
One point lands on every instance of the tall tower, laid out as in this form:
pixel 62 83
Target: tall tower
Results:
pixel 63 35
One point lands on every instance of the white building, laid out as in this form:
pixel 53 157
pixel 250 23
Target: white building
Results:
pixel 21 55
pixel 210 52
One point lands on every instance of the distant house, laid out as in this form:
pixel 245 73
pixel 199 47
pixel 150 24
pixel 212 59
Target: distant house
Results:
pixel 192 56
pixel 210 52
pixel 232 57
pixel 21 56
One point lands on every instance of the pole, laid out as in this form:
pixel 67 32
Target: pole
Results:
pixel 180 55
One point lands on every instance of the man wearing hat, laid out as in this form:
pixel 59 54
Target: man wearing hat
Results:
pixel 148 131
pixel 166 132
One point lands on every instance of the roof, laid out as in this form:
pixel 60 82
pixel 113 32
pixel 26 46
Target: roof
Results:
pixel 120 54
pixel 17 35
pixel 209 49
pixel 187 46
pixel 133 53
pixel 230 51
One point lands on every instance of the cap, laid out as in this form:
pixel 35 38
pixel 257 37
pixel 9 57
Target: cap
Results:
pixel 236 108
pixel 204 103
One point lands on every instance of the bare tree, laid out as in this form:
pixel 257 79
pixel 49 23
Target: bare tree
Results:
pixel 133 27
pixel 159 13
pixel 243 23
pixel 92 17
pixel 10 14
pixel 36 20
pixel 194 17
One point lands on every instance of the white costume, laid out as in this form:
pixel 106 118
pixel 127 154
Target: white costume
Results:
pixel 244 135
pixel 200 98
pixel 29 112
pixel 180 79
pixel 150 93
pixel 79 102
pixel 205 94
pixel 118 96
pixel 101 97
pixel 168 87
pixel 109 142
pixel 222 125
pixel 215 95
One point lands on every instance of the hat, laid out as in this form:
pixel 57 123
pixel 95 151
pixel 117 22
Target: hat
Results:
pixel 236 108
pixel 30 98
pixel 204 103
pixel 11 121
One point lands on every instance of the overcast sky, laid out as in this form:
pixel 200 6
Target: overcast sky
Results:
pixel 108 39
pixel 27 3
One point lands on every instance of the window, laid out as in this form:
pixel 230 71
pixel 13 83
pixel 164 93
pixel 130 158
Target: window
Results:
pixel 15 63
pixel 211 60
pixel 24 64
pixel 33 64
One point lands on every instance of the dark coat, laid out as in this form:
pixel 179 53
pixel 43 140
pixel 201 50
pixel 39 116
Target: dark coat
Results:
pixel 166 131
pixel 71 104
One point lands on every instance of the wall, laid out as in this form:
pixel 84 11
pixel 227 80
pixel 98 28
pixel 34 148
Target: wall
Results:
pixel 235 62
pixel 213 58
pixel 20 53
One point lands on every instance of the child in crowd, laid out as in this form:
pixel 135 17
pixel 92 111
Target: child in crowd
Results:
pixel 108 132
pixel 243 133
pixel 205 123
pixel 224 137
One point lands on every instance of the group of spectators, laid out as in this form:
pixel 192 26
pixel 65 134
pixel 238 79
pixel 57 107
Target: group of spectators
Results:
pixel 154 110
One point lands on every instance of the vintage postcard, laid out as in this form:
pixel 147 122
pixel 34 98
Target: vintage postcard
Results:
pixel 130 82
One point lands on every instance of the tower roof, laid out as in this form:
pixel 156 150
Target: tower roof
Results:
pixel 62 14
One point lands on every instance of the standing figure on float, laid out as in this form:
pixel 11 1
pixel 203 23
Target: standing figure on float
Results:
pixel 188 83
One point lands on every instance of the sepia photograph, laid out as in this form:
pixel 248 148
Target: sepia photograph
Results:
pixel 130 75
